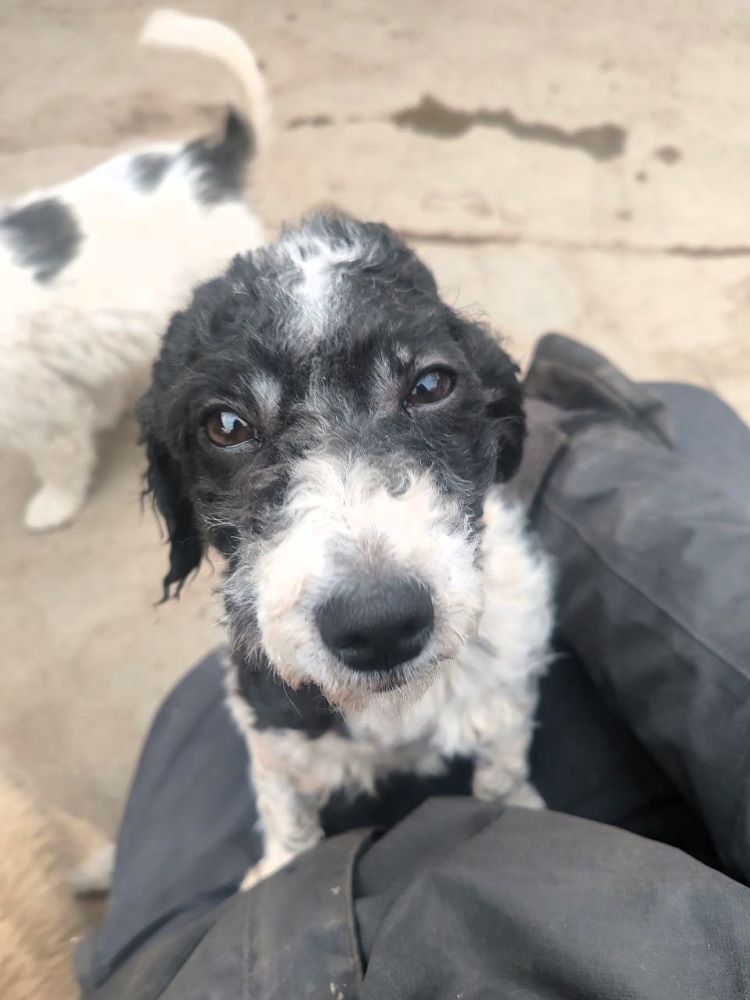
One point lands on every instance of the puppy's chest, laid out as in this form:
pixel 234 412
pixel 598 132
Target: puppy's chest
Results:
pixel 419 739
pixel 470 704
pixel 466 703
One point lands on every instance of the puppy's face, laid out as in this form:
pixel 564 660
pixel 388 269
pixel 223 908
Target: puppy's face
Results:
pixel 332 427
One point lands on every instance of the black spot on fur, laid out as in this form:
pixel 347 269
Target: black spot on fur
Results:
pixel 278 706
pixel 396 795
pixel 148 170
pixel 43 236
pixel 221 165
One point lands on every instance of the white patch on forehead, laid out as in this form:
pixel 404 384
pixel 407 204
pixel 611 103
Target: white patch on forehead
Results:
pixel 317 262
pixel 266 391
pixel 402 353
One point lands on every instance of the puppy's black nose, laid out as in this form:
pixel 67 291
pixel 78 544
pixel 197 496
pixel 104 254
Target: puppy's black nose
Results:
pixel 378 625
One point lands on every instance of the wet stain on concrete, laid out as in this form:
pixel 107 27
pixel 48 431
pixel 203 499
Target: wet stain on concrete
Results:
pixel 668 154
pixel 310 121
pixel 616 246
pixel 432 117
pixel 509 237
pixel 471 202
pixel 732 250
pixel 403 34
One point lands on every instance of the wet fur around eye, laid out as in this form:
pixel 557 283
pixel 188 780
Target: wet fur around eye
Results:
pixel 431 387
pixel 227 429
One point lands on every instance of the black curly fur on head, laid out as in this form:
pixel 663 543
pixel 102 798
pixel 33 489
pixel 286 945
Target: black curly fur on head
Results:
pixel 314 341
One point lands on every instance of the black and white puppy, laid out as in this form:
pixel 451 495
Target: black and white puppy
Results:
pixel 341 436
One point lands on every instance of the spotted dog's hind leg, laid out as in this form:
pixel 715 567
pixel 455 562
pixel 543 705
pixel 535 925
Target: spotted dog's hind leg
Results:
pixel 64 462
pixel 289 820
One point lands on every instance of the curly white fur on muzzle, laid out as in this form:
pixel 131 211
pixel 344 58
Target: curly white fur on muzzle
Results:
pixel 344 522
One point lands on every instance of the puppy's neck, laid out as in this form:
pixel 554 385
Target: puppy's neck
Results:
pixel 275 704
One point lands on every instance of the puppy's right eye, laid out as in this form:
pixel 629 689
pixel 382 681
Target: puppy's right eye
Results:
pixel 226 429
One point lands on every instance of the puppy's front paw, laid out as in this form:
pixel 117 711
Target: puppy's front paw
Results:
pixel 527 796
pixel 492 783
pixel 51 507
pixel 268 865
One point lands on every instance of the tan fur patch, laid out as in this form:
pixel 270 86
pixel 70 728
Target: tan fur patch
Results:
pixel 38 918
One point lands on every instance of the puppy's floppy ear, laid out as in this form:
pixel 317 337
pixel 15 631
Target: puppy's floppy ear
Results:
pixel 504 407
pixel 164 483
pixel 507 409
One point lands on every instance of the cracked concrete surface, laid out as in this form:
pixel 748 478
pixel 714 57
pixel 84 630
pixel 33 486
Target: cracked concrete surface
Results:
pixel 568 164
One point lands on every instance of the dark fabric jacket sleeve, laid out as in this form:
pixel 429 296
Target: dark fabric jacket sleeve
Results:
pixel 653 594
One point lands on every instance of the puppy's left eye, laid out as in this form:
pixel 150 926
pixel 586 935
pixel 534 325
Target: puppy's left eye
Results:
pixel 431 387
pixel 225 429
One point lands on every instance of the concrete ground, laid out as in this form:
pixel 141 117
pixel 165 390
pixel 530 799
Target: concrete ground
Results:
pixel 582 165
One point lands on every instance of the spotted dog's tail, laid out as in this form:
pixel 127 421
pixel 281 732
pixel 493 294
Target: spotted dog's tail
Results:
pixel 246 132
